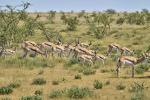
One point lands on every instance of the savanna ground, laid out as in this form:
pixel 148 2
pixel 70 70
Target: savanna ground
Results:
pixel 63 70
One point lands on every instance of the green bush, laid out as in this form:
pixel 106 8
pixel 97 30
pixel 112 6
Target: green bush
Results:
pixel 31 97
pixel 14 85
pixel 89 71
pixel 78 93
pixel 55 94
pixel 137 90
pixel 97 84
pixel 77 76
pixel 5 90
pixel 120 86
pixel 71 62
pixel 137 87
pixel 141 68
pixel 39 81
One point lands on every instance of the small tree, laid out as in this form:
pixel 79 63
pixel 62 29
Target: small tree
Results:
pixel 51 16
pixel 72 23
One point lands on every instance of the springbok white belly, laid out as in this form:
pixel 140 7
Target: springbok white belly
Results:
pixel 127 62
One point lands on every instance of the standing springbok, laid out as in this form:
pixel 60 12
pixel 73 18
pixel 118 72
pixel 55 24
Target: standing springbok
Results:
pixel 130 60
pixel 117 47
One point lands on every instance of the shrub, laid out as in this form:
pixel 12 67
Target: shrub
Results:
pixel 137 97
pixel 38 92
pixel 78 93
pixel 120 21
pixel 137 87
pixel 138 91
pixel 5 90
pixel 107 82
pixel 55 82
pixel 88 71
pixel 104 70
pixel 31 97
pixel 14 85
pixel 55 94
pixel 78 76
pixel 97 84
pixel 39 81
pixel 71 62
pixel 141 68
pixel 120 87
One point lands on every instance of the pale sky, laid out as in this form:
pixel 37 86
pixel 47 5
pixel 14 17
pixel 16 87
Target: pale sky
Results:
pixel 77 5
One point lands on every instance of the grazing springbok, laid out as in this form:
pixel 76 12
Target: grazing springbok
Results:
pixel 30 43
pixel 130 60
pixel 100 57
pixel 60 49
pixel 86 58
pixel 9 51
pixel 47 47
pixel 118 48
pixel 5 52
pixel 32 48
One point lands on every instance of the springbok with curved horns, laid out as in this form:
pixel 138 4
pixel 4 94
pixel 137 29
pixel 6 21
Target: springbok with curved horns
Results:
pixel 130 60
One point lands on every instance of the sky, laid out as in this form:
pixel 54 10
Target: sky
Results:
pixel 78 5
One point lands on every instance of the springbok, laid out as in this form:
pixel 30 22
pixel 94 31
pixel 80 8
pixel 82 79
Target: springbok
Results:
pixel 47 47
pixel 100 57
pixel 130 60
pixel 29 47
pixel 86 58
pixel 10 51
pixel 85 45
pixel 5 52
pixel 117 47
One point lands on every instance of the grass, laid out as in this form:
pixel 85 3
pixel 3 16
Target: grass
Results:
pixel 5 90
pixel 55 94
pixel 97 84
pixel 39 81
pixel 78 93
pixel 120 86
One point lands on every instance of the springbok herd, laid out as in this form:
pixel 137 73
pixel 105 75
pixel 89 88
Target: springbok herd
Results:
pixel 79 51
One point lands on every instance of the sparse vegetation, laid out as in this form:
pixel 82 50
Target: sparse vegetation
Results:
pixel 55 82
pixel 39 81
pixel 6 90
pixel 89 71
pixel 77 76
pixel 55 94
pixel 120 86
pixel 97 84
pixel 78 93
pixel 129 29
pixel 31 97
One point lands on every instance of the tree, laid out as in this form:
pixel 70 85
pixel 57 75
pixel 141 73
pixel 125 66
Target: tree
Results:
pixel 110 11
pixel 11 32
pixel 72 23
pixel 51 16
